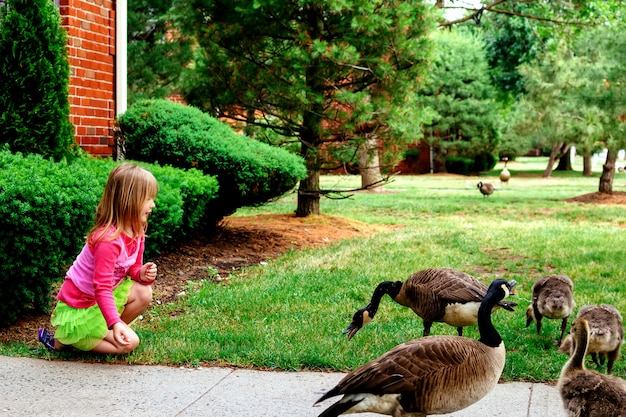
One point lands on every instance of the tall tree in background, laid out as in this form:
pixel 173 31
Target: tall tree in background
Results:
pixel 549 111
pixel 604 88
pixel 459 90
pixel 157 51
pixel 510 41
pixel 575 96
pixel 517 30
pixel 34 81
pixel 318 71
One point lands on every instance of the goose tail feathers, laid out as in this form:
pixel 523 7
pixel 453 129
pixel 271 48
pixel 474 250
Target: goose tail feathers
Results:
pixel 338 408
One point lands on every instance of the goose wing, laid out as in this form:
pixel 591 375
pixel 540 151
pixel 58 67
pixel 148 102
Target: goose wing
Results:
pixel 460 287
pixel 418 365
pixel 449 285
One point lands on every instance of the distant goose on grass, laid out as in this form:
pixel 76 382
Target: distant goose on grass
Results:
pixel 430 375
pixel 505 175
pixel 485 188
pixel 587 393
pixel 606 334
pixel 553 298
pixel 436 295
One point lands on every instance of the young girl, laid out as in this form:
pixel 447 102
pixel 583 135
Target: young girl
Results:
pixel 108 285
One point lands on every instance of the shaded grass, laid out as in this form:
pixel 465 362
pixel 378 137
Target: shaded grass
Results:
pixel 290 314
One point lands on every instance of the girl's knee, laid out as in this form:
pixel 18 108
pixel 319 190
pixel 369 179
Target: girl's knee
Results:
pixel 131 346
pixel 133 343
pixel 143 294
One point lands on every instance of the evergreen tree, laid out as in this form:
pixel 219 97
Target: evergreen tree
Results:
pixel 460 92
pixel 34 80
pixel 510 42
pixel 315 71
pixel 157 49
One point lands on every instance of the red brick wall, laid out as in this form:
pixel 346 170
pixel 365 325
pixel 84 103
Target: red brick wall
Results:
pixel 90 25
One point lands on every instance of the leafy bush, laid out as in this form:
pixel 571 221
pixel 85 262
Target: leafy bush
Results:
pixel 183 202
pixel 413 153
pixel 249 172
pixel 34 87
pixel 484 162
pixel 47 208
pixel 459 165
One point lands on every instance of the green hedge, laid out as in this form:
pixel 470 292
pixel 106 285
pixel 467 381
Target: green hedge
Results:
pixel 466 166
pixel 484 162
pixel 249 172
pixel 459 165
pixel 46 209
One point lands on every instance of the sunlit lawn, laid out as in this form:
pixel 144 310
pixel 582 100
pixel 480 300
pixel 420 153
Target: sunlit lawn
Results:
pixel 290 314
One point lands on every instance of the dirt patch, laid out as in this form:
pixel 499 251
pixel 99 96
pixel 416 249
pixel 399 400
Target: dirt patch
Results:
pixel 238 242
pixel 616 197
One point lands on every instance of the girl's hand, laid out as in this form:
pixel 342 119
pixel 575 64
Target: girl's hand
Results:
pixel 148 273
pixel 121 333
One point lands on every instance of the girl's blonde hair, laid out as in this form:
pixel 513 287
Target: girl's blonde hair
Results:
pixel 125 193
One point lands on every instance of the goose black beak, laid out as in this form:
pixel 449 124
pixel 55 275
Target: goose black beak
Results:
pixel 511 284
pixel 508 305
pixel 351 330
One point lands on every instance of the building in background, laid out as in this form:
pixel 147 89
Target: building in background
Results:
pixel 97 53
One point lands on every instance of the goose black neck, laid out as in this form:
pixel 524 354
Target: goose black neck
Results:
pixel 386 287
pixel 580 340
pixel 488 334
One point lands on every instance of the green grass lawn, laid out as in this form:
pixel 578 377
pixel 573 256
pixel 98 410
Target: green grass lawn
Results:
pixel 290 314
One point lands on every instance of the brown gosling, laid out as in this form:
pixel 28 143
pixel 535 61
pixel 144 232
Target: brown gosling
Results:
pixel 606 334
pixel 553 298
pixel 587 393
pixel 430 375
pixel 485 188
pixel 436 295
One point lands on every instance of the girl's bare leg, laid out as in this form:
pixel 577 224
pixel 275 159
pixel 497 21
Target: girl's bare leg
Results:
pixel 111 347
pixel 58 345
pixel 139 298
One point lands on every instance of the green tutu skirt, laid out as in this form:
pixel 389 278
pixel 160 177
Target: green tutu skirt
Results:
pixel 85 328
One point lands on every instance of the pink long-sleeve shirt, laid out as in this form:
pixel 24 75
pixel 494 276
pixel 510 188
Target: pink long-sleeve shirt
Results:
pixel 98 269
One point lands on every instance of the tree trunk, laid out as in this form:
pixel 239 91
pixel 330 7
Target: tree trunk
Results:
pixel 309 189
pixel 369 163
pixel 565 161
pixel 558 151
pixel 308 194
pixel 548 171
pixel 249 123
pixel 608 172
pixel 311 131
pixel 587 165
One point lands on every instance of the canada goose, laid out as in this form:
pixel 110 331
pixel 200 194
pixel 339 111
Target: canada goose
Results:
pixel 606 334
pixel 430 375
pixel 585 392
pixel 553 298
pixel 505 175
pixel 485 188
pixel 436 295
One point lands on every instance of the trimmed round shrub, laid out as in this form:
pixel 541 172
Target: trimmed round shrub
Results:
pixel 249 172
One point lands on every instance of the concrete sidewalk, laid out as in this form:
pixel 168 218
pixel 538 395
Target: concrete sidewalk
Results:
pixel 37 387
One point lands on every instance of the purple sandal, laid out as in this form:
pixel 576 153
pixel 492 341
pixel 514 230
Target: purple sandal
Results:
pixel 46 338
